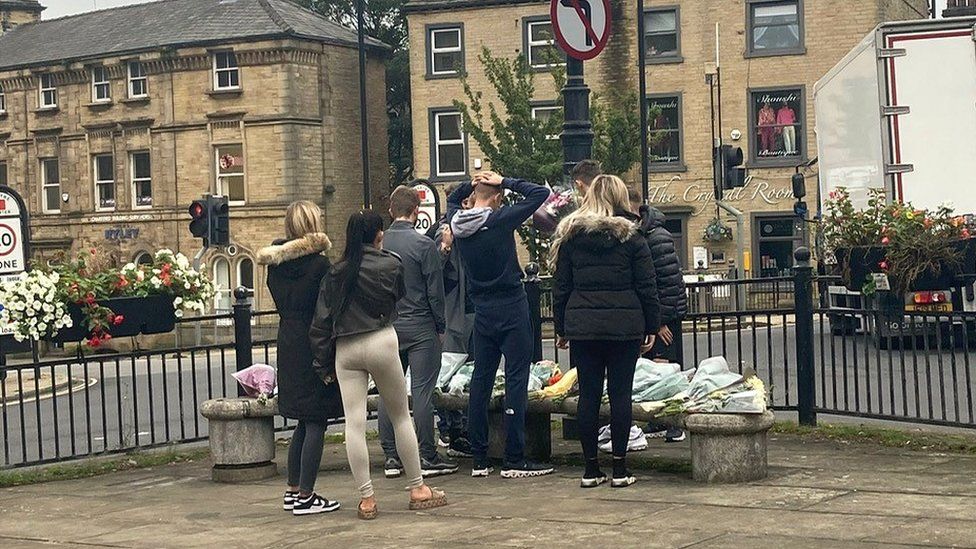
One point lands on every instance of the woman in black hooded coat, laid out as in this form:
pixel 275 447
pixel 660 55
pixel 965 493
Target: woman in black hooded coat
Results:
pixel 296 267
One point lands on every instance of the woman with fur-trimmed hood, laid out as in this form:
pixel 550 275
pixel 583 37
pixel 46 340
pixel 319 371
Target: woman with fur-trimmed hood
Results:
pixel 296 267
pixel 607 312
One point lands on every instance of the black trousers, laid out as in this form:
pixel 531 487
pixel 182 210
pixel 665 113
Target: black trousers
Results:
pixel 613 362
pixel 673 353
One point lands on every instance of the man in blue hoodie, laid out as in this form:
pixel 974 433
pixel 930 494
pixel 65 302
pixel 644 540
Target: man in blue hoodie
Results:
pixel 484 233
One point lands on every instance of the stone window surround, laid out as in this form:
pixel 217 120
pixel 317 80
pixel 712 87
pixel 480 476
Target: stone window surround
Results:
pixel 100 82
pixel 801 21
pixel 233 68
pixel 219 187
pixel 753 160
pixel 136 181
pixel 45 185
pixel 527 24
pixel 47 89
pixel 133 79
pixel 429 51
pixel 679 166
pixel 665 59
pixel 433 113
pixel 3 102
pixel 101 180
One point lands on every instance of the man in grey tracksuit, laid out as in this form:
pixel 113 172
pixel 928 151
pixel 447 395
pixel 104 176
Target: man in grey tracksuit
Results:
pixel 420 328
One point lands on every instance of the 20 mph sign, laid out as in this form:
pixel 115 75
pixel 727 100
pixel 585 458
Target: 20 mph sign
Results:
pixel 581 27
pixel 12 256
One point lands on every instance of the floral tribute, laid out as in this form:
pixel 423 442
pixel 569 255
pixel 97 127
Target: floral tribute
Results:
pixel 37 304
pixel 716 231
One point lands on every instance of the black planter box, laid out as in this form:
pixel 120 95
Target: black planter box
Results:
pixel 858 263
pixel 141 315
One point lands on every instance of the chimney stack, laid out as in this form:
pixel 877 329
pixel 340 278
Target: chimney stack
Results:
pixel 18 12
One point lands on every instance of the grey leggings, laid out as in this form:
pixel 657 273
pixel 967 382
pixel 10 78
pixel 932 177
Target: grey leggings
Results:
pixel 375 354
pixel 305 455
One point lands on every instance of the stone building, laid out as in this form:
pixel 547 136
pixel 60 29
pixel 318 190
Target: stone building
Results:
pixel 113 121
pixel 772 53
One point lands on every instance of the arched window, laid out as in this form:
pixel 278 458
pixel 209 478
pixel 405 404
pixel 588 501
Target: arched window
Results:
pixel 222 300
pixel 245 273
pixel 143 258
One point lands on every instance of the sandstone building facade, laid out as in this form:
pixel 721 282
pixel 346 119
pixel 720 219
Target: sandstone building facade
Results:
pixel 113 121
pixel 772 54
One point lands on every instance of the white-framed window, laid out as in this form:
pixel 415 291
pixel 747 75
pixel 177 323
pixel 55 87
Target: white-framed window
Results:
pixel 3 101
pixel 662 34
pixel 101 88
pixel 540 44
pixel 245 273
pixel 545 113
pixel 48 92
pixel 445 45
pixel 449 150
pixel 223 300
pixel 230 172
pixel 50 185
pixel 104 170
pixel 140 166
pixel 774 27
pixel 138 82
pixel 226 73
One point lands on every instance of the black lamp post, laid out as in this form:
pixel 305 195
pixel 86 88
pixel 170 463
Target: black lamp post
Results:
pixel 364 130
pixel 577 136
pixel 642 80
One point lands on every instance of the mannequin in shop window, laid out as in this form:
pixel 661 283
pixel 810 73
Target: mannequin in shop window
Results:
pixel 661 127
pixel 786 120
pixel 767 128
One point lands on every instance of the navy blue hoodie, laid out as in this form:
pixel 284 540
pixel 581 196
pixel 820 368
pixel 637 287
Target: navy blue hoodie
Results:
pixel 486 241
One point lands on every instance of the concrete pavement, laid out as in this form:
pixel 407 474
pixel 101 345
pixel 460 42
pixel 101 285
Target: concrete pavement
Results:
pixel 820 494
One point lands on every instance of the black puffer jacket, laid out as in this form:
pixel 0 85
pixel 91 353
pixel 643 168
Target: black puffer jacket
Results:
pixel 667 266
pixel 295 272
pixel 604 282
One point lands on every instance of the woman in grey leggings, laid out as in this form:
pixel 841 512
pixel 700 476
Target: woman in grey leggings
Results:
pixel 354 320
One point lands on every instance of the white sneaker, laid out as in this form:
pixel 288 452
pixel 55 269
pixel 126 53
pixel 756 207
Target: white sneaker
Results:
pixel 637 441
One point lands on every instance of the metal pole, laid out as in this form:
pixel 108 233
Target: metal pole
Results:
pixel 740 267
pixel 363 129
pixel 718 77
pixel 243 353
pixel 577 136
pixel 642 78
pixel 806 385
pixel 197 266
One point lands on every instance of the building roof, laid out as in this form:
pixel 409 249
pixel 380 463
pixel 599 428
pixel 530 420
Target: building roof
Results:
pixel 165 23
pixel 414 6
pixel 26 5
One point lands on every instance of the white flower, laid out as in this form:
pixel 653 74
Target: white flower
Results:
pixel 178 313
pixel 178 301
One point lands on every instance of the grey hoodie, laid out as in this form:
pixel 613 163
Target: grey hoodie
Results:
pixel 469 222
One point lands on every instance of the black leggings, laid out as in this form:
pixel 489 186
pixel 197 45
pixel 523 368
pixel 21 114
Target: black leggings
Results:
pixel 305 455
pixel 615 362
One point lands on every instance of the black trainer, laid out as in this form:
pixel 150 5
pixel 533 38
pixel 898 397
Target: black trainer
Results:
pixel 675 435
pixel 313 505
pixel 460 448
pixel 526 469
pixel 288 502
pixel 623 481
pixel 481 468
pixel 437 466
pixel 593 482
pixel 393 468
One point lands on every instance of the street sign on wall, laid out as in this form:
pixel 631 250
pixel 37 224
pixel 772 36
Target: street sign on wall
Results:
pixel 429 210
pixel 14 240
pixel 581 27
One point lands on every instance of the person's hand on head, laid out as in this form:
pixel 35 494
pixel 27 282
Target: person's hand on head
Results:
pixel 491 178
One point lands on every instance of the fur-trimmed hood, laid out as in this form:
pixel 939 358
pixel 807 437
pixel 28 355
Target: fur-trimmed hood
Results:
pixel 284 251
pixel 616 228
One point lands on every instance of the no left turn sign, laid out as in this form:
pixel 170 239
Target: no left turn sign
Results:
pixel 581 27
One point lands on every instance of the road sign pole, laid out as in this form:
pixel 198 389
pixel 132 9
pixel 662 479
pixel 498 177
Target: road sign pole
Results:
pixel 577 136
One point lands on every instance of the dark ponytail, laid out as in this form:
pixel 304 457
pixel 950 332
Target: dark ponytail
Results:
pixel 361 231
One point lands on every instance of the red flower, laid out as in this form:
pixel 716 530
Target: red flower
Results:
pixel 965 233
pixel 93 251
pixel 90 298
pixel 884 265
pixel 885 241
pixel 106 337
pixel 94 342
pixel 118 319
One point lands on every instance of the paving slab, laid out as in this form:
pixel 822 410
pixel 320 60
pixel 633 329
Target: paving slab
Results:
pixel 738 541
pixel 868 481
pixel 901 505
pixel 932 533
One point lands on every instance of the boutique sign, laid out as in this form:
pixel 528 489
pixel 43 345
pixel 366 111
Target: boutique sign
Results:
pixel 700 196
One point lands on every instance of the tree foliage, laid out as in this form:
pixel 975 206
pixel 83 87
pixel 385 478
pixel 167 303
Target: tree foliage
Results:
pixel 385 21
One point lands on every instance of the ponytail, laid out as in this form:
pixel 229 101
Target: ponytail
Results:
pixel 361 231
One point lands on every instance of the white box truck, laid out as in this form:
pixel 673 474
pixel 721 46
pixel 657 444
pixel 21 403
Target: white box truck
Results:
pixel 899 113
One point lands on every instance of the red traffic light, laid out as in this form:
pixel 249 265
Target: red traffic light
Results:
pixel 198 209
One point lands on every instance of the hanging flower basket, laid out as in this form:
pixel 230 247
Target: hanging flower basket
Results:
pixel 716 231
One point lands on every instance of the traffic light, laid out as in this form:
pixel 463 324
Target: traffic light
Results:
pixel 210 220
pixel 733 174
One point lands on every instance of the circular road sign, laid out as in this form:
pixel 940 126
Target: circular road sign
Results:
pixel 581 27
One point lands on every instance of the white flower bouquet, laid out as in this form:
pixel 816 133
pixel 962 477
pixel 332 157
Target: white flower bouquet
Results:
pixel 32 307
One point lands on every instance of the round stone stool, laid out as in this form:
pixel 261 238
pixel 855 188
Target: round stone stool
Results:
pixel 241 438
pixel 729 448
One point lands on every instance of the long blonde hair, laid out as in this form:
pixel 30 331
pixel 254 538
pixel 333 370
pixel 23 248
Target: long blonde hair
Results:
pixel 301 218
pixel 607 196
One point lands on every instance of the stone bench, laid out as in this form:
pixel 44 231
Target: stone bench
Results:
pixel 725 448
pixel 242 438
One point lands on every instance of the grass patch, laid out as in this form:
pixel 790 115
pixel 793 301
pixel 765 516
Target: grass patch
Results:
pixel 83 469
pixel 890 438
